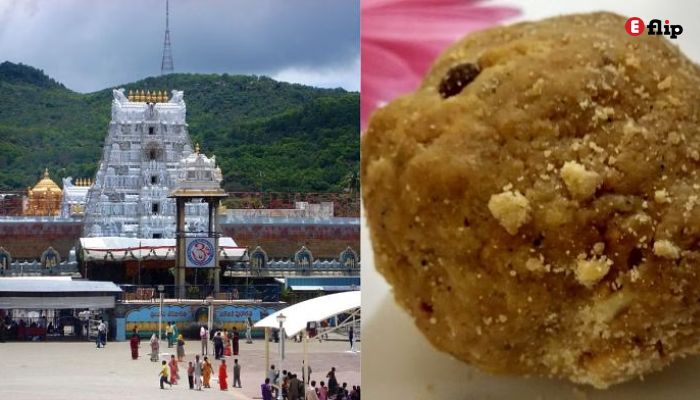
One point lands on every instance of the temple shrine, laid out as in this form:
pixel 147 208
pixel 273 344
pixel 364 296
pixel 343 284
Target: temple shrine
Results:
pixel 44 199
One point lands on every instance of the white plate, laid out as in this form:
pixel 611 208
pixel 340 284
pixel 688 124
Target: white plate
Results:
pixel 398 362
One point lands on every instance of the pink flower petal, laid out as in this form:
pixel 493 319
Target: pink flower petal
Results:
pixel 401 38
pixel 390 75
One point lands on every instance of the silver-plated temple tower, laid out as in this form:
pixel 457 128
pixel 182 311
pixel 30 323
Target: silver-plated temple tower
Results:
pixel 140 167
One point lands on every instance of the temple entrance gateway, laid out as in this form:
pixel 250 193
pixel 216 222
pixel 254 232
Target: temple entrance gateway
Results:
pixel 199 178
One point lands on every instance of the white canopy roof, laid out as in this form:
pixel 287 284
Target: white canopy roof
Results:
pixel 45 286
pixel 120 248
pixel 55 293
pixel 316 309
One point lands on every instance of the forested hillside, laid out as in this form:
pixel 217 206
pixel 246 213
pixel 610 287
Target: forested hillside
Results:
pixel 267 135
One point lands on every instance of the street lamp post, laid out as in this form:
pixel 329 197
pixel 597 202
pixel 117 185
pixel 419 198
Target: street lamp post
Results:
pixel 280 318
pixel 161 288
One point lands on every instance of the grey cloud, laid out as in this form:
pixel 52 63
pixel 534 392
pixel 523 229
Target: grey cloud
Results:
pixel 90 45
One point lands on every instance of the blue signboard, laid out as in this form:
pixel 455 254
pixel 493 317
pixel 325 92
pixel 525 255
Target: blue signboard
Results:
pixel 188 318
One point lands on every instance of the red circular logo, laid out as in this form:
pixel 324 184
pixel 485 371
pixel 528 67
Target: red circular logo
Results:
pixel 634 26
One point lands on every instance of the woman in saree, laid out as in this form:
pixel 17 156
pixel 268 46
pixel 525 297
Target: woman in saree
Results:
pixel 173 370
pixel 206 372
pixel 236 338
pixel 227 344
pixel 134 343
pixel 180 348
pixel 223 375
pixel 155 348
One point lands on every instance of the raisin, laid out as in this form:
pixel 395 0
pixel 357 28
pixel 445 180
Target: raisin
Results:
pixel 426 307
pixel 457 78
pixel 634 258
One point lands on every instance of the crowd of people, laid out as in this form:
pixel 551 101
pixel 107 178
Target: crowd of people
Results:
pixel 294 388
pixel 39 328
pixel 225 345
pixel 200 371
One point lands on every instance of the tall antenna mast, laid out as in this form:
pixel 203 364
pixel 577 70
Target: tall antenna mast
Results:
pixel 166 66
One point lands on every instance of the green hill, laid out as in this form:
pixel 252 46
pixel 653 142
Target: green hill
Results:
pixel 266 134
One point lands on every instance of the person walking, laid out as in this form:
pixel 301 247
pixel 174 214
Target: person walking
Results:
pixel 305 377
pixel 218 345
pixel 223 385
pixel 164 375
pixel 332 382
pixel 284 386
pixel 273 375
pixel 155 348
pixel 197 372
pixel 324 328
pixel 236 373
pixel 134 344
pixel 169 334
pixel 103 329
pixel 180 348
pixel 295 388
pixel 204 337
pixel 101 334
pixel 190 374
pixel 351 336
pixel 343 391
pixel 235 340
pixel 98 337
pixel 206 372
pixel 311 392
pixel 175 331
pixel 266 390
pixel 226 336
pixel 174 377
pixel 248 330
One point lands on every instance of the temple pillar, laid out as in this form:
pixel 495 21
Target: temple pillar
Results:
pixel 212 204
pixel 180 238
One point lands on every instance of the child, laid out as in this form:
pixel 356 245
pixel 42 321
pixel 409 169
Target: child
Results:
pixel 164 375
pixel 323 392
pixel 190 374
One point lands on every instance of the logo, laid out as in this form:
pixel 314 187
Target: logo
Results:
pixel 200 252
pixel 635 27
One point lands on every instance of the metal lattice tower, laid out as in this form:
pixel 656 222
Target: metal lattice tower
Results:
pixel 166 66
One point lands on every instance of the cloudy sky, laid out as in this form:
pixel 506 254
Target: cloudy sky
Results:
pixel 89 45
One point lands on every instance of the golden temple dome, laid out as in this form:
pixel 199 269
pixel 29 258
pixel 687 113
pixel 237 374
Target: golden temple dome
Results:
pixel 46 184
pixel 44 198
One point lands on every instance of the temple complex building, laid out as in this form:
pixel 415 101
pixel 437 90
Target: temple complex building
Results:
pixel 74 197
pixel 121 226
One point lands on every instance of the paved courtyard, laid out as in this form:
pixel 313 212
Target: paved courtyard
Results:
pixel 78 370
